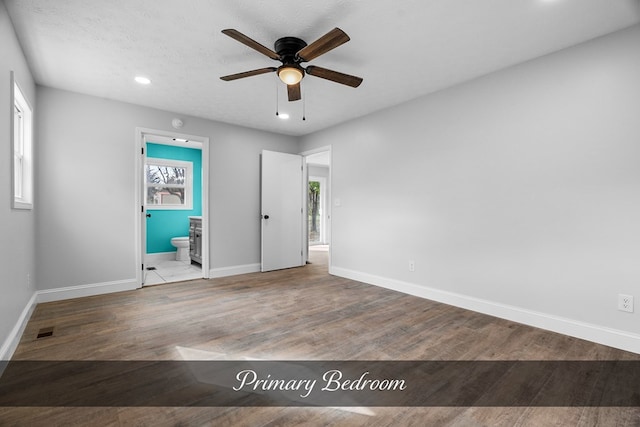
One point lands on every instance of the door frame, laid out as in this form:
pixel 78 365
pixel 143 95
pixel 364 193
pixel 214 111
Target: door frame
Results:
pixel 142 136
pixel 305 154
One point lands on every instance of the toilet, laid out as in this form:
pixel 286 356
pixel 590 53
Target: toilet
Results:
pixel 182 243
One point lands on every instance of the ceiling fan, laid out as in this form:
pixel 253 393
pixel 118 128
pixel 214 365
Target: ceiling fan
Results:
pixel 292 51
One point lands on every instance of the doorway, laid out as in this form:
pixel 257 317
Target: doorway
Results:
pixel 316 207
pixel 318 164
pixel 173 202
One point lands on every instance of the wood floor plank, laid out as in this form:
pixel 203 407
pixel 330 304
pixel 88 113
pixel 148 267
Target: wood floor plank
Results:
pixel 295 314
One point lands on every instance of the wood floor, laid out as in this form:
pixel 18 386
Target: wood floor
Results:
pixel 296 314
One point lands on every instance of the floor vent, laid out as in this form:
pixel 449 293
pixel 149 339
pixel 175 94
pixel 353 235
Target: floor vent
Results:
pixel 45 332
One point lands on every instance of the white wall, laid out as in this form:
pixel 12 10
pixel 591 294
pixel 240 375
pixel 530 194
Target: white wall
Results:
pixel 86 234
pixel 517 194
pixel 17 252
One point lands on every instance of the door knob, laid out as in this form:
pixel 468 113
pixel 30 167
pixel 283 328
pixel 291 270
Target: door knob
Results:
pixel 148 215
pixel 265 216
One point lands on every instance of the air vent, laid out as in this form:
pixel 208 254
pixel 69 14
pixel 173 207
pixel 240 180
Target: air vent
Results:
pixel 45 332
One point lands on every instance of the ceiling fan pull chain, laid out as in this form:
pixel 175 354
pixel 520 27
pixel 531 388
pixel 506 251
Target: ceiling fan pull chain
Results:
pixel 277 101
pixel 304 108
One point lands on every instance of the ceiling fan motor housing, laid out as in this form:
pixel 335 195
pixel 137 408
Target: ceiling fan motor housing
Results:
pixel 287 47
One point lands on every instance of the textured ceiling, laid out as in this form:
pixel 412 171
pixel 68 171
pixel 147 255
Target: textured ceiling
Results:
pixel 402 49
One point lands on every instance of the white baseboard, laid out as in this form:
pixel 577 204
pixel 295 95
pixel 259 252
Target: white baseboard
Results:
pixel 607 336
pixel 11 343
pixel 57 294
pixel 153 259
pixel 234 270
pixel 623 340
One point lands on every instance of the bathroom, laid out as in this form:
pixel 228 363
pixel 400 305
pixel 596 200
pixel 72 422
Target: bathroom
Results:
pixel 173 203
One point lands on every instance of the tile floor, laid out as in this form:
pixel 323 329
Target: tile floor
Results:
pixel 172 271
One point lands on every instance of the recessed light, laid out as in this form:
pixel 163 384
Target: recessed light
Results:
pixel 143 80
pixel 283 116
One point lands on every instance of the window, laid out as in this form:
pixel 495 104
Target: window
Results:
pixel 22 150
pixel 169 184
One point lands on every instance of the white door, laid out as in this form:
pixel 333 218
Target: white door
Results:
pixel 282 210
pixel 143 213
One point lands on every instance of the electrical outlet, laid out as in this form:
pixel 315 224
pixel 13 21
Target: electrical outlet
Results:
pixel 625 303
pixel 412 265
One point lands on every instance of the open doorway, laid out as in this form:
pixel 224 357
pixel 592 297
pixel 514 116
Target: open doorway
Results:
pixel 173 195
pixel 318 205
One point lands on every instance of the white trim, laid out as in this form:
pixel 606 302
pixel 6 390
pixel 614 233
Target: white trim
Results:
pixel 11 342
pixel 316 151
pixel 623 340
pixel 68 292
pixel 305 212
pixel 22 205
pixel 234 270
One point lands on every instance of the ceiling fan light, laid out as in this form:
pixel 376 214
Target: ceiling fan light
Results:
pixel 290 75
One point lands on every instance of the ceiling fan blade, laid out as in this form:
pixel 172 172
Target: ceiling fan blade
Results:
pixel 324 44
pixel 334 76
pixel 248 74
pixel 237 35
pixel 294 92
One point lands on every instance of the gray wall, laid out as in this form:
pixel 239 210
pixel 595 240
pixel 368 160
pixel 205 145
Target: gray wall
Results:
pixel 17 251
pixel 86 191
pixel 521 188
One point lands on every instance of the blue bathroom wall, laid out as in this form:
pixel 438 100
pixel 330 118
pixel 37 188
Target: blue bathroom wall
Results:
pixel 166 224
